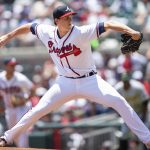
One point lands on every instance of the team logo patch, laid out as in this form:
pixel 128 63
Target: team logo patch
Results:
pixel 65 50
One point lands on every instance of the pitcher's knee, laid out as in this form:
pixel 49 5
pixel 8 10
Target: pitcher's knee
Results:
pixel 37 113
pixel 32 113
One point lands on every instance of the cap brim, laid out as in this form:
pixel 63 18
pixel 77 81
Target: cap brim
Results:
pixel 11 63
pixel 68 14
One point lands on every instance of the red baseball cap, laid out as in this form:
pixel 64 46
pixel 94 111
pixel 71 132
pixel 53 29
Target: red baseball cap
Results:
pixel 62 11
pixel 10 61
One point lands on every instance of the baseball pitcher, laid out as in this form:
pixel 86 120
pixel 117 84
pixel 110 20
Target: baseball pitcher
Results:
pixel 69 47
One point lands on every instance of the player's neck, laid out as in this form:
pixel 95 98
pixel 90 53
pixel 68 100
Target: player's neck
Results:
pixel 63 31
pixel 9 76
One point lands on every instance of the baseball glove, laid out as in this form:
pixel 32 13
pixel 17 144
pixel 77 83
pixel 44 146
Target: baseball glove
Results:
pixel 17 100
pixel 130 45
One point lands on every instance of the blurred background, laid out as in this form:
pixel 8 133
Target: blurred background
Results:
pixel 81 124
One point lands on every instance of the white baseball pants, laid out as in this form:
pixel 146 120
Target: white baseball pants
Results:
pixel 93 88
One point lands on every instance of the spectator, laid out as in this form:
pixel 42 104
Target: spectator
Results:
pixel 93 109
pixel 147 73
pixel 135 94
pixel 39 92
pixel 130 63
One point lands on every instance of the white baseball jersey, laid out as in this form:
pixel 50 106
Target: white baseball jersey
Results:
pixel 19 85
pixel 71 55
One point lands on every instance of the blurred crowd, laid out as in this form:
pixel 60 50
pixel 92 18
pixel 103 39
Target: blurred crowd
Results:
pixel 129 74
pixel 135 13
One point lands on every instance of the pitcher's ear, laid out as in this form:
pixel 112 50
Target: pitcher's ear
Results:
pixel 55 21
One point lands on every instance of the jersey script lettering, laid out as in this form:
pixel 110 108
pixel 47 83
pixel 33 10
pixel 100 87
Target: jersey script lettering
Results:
pixel 13 89
pixel 64 50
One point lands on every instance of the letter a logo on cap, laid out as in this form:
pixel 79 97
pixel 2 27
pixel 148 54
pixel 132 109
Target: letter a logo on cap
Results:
pixel 67 9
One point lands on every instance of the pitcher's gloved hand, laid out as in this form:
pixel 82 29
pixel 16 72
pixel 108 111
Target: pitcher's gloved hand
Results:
pixel 18 100
pixel 130 45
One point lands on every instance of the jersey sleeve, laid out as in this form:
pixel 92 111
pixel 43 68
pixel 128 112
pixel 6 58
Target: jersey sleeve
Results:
pixel 26 82
pixel 38 30
pixel 101 28
pixel 33 28
pixel 41 31
pixel 92 31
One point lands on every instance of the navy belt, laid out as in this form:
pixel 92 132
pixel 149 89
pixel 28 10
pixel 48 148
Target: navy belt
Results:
pixel 84 76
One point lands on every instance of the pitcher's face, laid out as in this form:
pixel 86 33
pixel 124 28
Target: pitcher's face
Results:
pixel 65 22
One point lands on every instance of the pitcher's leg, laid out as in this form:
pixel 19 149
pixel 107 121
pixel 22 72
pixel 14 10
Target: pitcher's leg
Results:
pixel 103 93
pixel 22 140
pixel 53 99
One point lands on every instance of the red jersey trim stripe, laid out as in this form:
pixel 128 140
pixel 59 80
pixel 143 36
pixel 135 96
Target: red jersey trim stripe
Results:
pixel 66 56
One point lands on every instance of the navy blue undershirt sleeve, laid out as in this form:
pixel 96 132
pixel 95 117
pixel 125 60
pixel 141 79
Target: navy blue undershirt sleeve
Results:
pixel 101 27
pixel 33 28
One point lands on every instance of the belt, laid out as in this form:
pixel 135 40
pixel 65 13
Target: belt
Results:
pixel 84 76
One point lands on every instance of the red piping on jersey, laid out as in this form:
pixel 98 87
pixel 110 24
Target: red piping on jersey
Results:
pixel 71 68
pixel 65 56
pixel 68 35
pixel 57 43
